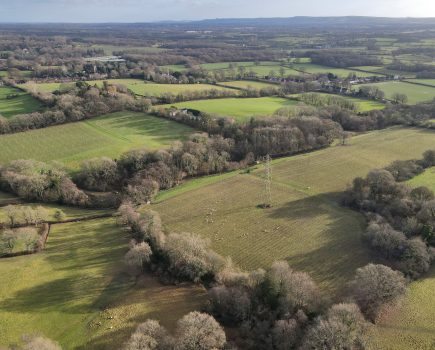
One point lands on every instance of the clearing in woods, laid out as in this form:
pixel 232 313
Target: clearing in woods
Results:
pixel 77 291
pixel 306 224
pixel 109 135
pixel 14 101
pixel 242 109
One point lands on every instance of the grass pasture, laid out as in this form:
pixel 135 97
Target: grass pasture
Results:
pixel 21 104
pixel 240 108
pixel 70 212
pixel 246 84
pixel 426 179
pixel 306 224
pixel 77 292
pixel 415 93
pixel 139 87
pixel 262 69
pixel 430 82
pixel 361 104
pixel 226 65
pixel 412 324
pixel 312 68
pixel 174 68
pixel 108 135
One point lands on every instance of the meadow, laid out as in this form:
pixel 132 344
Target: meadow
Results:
pixel 430 82
pixel 245 84
pixel 426 179
pixel 262 69
pixel 226 65
pixel 174 68
pixel 70 212
pixel 306 224
pixel 241 109
pixel 411 325
pixel 22 103
pixel 108 135
pixel 361 104
pixel 137 86
pixel 415 93
pixel 78 293
pixel 312 68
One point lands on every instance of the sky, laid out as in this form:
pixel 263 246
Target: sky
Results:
pixel 157 10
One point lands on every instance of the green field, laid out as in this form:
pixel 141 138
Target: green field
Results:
pixel 263 69
pixel 426 179
pixel 415 93
pixel 78 293
pixel 174 68
pixel 226 65
pixel 361 104
pixel 139 87
pixel 23 103
pixel 305 225
pixel 245 84
pixel 412 324
pixel 312 68
pixel 70 212
pixel 430 82
pixel 108 135
pixel 239 108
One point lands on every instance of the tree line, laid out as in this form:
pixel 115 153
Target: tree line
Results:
pixel 277 308
pixel 401 219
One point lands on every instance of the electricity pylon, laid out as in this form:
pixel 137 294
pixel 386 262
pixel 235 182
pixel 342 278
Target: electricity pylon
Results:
pixel 267 200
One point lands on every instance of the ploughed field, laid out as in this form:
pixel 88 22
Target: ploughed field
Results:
pixel 306 226
pixel 77 291
pixel 108 135
pixel 242 109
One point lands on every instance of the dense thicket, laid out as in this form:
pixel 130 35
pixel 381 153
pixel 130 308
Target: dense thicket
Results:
pixel 38 181
pixel 401 219
pixel 81 102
